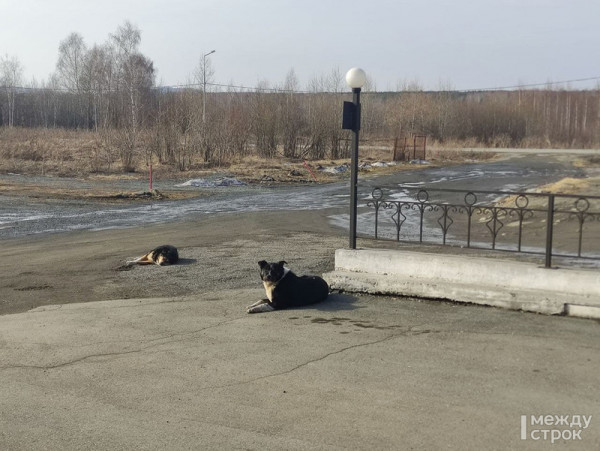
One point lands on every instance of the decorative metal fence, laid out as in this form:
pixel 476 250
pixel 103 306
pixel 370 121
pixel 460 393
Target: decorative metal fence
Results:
pixel 538 223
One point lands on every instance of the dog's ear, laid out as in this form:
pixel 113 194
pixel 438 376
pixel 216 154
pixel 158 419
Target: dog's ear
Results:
pixel 282 262
pixel 262 263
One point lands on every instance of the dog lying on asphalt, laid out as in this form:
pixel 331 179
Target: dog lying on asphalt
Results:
pixel 162 255
pixel 285 289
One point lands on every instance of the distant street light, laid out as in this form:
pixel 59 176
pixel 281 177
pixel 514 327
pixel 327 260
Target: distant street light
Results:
pixel 204 85
pixel 355 78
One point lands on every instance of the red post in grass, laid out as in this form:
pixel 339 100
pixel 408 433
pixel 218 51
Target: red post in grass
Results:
pixel 310 170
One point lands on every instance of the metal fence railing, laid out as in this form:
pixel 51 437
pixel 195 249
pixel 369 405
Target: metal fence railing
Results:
pixel 548 224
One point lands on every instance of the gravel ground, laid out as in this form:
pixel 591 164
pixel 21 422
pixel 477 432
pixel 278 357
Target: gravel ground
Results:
pixel 217 252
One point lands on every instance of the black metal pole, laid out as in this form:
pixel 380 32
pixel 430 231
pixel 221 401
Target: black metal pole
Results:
pixel 549 230
pixel 354 168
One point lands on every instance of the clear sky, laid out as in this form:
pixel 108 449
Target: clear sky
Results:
pixel 462 44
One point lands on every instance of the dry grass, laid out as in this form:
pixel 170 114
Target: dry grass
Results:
pixel 588 161
pixel 82 154
pixel 572 186
pixel 455 155
pixel 585 187
pixel 47 151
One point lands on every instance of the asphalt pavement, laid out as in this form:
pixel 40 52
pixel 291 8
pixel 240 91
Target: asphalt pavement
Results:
pixel 355 372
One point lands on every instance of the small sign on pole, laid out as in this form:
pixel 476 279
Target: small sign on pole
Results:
pixel 349 116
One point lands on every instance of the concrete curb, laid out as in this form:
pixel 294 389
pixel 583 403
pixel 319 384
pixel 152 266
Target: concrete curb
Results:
pixel 495 282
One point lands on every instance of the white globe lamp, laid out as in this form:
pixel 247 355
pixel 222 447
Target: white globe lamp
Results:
pixel 356 78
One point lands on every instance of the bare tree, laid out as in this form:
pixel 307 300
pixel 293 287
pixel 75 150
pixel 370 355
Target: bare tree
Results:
pixel 69 67
pixel 11 74
pixel 135 75
pixel 324 131
pixel 264 120
pixel 71 55
pixel 292 121
pixel 96 78
pixel 204 74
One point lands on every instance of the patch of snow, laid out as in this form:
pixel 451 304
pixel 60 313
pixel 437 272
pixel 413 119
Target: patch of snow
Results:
pixel 336 169
pixel 380 164
pixel 208 183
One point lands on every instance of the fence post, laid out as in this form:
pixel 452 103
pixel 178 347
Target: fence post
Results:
pixel 549 231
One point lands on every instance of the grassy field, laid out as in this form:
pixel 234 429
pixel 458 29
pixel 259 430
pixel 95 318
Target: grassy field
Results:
pixel 77 153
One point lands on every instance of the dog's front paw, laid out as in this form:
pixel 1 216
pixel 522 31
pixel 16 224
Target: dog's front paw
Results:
pixel 265 307
pixel 257 303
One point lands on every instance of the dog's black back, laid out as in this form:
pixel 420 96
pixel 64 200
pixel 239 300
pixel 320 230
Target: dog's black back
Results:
pixel 289 290
pixel 165 254
pixel 295 291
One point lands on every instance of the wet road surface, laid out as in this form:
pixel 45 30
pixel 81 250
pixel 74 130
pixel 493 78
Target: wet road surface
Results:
pixel 20 217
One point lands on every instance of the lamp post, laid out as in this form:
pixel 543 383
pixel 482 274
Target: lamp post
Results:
pixel 204 85
pixel 355 78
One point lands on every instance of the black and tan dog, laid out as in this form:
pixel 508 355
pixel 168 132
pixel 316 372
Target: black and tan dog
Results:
pixel 285 289
pixel 162 255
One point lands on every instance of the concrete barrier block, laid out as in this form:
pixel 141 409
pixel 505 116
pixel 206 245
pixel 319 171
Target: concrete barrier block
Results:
pixel 583 311
pixel 495 282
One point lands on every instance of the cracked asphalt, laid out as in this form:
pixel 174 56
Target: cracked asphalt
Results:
pixel 355 372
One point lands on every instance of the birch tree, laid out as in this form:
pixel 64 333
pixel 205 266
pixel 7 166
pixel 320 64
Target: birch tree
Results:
pixel 11 74
pixel 69 67
pixel 135 75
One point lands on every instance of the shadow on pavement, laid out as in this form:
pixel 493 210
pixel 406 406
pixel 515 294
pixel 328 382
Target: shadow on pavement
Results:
pixel 336 302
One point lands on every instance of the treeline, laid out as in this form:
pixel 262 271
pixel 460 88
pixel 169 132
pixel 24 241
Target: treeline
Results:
pixel 110 89
pixel 167 125
pixel 527 118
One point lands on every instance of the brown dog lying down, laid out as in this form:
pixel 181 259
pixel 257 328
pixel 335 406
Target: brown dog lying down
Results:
pixel 285 289
pixel 162 255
